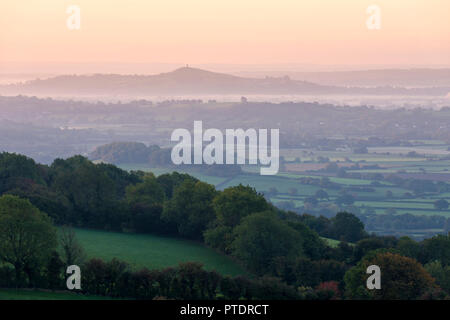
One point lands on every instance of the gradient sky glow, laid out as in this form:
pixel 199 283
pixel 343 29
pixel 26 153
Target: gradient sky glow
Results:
pixel 34 32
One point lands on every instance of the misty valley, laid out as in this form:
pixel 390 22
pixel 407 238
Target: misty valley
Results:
pixel 389 167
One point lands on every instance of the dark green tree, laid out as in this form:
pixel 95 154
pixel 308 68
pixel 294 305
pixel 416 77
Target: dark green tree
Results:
pixel 191 208
pixel 441 204
pixel 145 202
pixel 346 226
pixel 234 203
pixel 27 236
pixel 262 237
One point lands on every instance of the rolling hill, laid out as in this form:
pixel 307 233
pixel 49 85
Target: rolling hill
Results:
pixel 190 81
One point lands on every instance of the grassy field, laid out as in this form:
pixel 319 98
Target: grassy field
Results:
pixel 140 251
pixel 153 252
pixel 396 204
pixel 24 294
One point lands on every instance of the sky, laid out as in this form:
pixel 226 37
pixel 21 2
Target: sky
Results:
pixel 34 33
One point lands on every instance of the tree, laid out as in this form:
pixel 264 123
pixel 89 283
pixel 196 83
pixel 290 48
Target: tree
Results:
pixel 71 250
pixel 27 236
pixel 14 169
pixel 329 290
pixel 145 202
pixel 94 190
pixel 332 167
pixel 54 271
pixel 262 237
pixel 441 204
pixel 436 248
pixel 234 203
pixel 219 238
pixel 440 273
pixel 401 278
pixel 313 246
pixel 322 194
pixel 364 246
pixel 169 181
pixel 293 191
pixel 346 199
pixel 408 247
pixel 311 273
pixel 57 206
pixel 346 226
pixel 191 208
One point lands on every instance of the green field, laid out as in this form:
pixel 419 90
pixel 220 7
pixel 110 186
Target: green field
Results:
pixel 153 252
pixel 24 294
pixel 397 204
pixel 140 251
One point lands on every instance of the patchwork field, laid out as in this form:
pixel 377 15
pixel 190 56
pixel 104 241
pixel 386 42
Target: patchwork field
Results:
pixel 299 178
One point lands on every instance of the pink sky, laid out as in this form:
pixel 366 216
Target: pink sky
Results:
pixel 33 33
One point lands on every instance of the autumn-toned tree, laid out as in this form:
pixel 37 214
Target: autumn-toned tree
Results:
pixel 402 278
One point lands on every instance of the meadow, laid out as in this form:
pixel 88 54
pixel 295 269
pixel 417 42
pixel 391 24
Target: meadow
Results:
pixel 153 252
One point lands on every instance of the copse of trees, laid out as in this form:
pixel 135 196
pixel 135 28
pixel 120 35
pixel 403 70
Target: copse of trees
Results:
pixel 344 226
pixel 440 273
pixel 403 278
pixel 261 238
pixel 27 237
pixel 145 204
pixel 235 203
pixel 191 208
pixel 441 204
pixel 436 248
pixel 17 170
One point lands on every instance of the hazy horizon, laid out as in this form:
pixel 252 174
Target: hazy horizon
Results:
pixel 143 37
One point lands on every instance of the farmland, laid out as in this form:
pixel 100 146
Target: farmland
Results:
pixel 366 177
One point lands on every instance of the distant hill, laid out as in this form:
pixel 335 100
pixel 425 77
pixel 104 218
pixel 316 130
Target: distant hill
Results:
pixel 418 77
pixel 180 81
pixel 190 81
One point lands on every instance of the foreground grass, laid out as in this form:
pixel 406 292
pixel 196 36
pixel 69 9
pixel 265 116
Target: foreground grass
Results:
pixel 27 294
pixel 153 252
